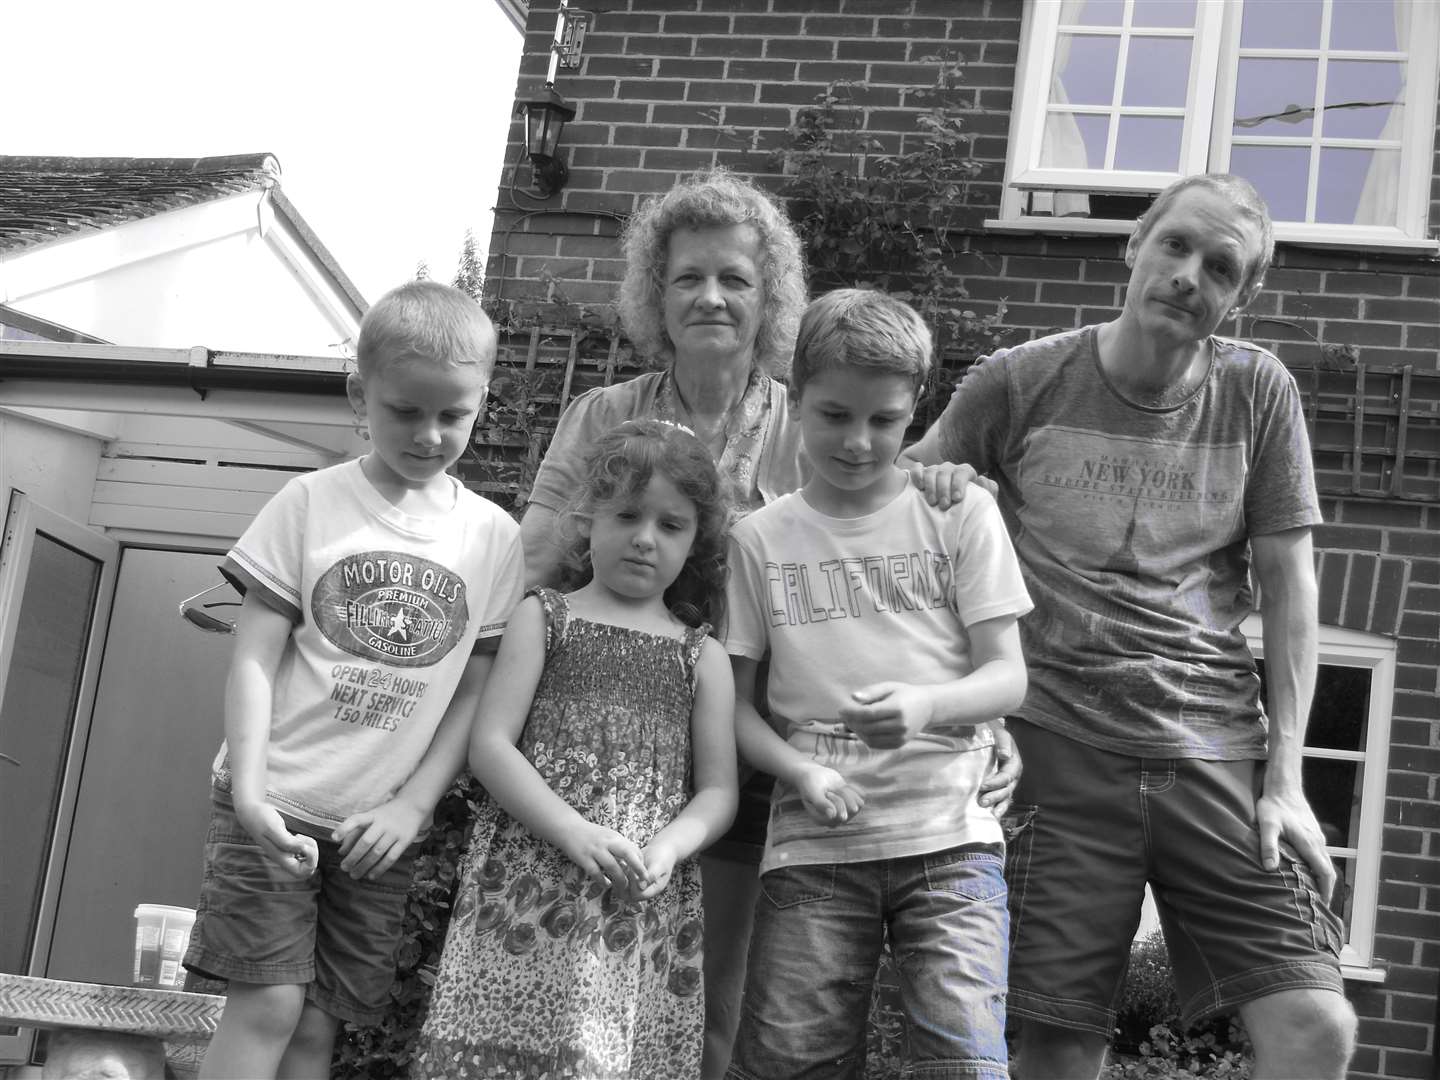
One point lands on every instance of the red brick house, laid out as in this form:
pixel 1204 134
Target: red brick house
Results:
pixel 1080 111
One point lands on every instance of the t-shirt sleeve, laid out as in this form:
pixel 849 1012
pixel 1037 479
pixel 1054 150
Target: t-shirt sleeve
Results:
pixel 745 633
pixel 1281 490
pixel 988 582
pixel 564 464
pixel 269 558
pixel 507 588
pixel 973 424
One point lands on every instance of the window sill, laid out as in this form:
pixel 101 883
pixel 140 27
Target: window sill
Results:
pixel 1077 226
pixel 1350 973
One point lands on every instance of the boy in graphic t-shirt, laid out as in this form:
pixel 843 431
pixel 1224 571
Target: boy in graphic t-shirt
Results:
pixel 375 594
pixel 891 629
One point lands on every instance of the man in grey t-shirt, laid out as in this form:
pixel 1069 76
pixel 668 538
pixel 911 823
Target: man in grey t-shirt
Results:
pixel 1146 469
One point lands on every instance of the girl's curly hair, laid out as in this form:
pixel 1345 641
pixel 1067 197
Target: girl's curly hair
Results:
pixel 620 467
pixel 713 200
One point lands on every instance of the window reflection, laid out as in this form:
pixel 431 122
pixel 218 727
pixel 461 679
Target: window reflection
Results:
pixel 1294 24
pixel 1275 96
pixel 1280 173
pixel 1360 96
pixel 1085 69
pixel 1157 72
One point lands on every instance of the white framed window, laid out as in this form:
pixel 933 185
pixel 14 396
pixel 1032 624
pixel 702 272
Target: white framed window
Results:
pixel 1327 106
pixel 1347 745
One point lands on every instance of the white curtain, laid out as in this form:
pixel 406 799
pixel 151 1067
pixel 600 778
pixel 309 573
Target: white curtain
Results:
pixel 1381 190
pixel 1061 145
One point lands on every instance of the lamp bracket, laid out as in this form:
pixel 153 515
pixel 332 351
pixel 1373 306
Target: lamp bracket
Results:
pixel 570 37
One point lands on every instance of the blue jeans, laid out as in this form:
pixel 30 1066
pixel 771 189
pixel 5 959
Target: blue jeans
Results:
pixel 817 939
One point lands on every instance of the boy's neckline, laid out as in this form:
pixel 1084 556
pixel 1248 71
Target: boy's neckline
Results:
pixel 839 511
pixel 438 497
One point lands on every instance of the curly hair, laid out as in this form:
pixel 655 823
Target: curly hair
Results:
pixel 619 469
pixel 713 200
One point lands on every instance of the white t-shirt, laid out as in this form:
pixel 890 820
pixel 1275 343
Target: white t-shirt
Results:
pixel 387 610
pixel 844 602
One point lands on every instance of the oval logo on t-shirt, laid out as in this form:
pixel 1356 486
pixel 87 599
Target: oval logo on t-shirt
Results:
pixel 392 607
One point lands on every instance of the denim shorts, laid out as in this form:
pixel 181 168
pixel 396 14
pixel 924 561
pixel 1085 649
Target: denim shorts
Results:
pixel 813 955
pixel 1088 829
pixel 334 935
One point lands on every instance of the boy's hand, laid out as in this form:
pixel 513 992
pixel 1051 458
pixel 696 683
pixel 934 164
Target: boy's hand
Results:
pixel 298 855
pixel 998 787
pixel 607 856
pixel 659 865
pixel 944 485
pixel 827 795
pixel 372 840
pixel 887 715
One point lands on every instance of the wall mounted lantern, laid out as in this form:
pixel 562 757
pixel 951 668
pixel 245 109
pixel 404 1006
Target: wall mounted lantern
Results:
pixel 545 117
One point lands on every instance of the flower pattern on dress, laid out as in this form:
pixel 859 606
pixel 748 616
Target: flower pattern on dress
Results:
pixel 546 972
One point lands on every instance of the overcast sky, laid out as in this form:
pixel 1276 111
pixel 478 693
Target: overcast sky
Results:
pixel 388 120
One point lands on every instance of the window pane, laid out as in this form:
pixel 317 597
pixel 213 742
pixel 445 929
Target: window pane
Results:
pixel 1163 13
pixel 1075 141
pixel 1342 900
pixel 1279 173
pixel 1357 187
pixel 1157 72
pixel 1291 25
pixel 1367 24
pixel 1340 714
pixel 1084 69
pixel 1361 96
pixel 1098 13
pixel 1333 788
pixel 1149 142
pixel 1274 96
pixel 36 718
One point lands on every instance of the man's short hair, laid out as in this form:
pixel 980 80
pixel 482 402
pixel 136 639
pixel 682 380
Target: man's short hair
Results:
pixel 425 320
pixel 862 328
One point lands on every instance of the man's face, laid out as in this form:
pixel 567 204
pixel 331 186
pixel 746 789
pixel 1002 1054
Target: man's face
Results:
pixel 1188 270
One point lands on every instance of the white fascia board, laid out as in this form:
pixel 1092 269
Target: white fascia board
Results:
pixel 90 254
pixel 329 411
pixel 292 249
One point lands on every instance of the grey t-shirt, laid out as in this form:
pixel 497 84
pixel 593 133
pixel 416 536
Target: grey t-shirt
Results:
pixel 1132 526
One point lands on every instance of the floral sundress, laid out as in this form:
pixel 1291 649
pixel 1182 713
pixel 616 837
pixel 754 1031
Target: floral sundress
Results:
pixel 545 973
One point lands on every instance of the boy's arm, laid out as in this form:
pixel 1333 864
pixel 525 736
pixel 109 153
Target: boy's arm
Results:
pixel 373 839
pixel 511 779
pixel 827 795
pixel 889 714
pixel 261 634
pixel 712 807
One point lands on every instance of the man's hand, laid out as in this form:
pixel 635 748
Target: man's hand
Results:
pixel 944 485
pixel 372 840
pixel 1288 817
pixel 998 787
pixel 887 715
pixel 827 795
pixel 298 855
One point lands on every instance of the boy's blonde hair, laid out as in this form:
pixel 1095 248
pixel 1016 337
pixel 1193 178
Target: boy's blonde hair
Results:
pixel 861 328
pixel 425 320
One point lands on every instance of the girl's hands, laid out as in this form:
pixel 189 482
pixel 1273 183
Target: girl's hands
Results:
pixel 660 859
pixel 607 856
pixel 827 795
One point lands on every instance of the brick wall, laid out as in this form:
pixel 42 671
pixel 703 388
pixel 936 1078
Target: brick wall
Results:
pixel 666 88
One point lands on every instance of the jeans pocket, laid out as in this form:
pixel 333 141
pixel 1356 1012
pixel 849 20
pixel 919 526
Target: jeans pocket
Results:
pixel 791 885
pixel 973 875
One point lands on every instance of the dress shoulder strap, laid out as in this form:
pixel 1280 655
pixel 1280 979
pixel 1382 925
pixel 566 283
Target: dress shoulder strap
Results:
pixel 557 614
pixel 694 641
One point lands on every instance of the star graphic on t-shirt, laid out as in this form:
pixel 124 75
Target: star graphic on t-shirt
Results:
pixel 399 626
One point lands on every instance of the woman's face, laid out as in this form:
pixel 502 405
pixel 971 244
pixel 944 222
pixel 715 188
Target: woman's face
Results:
pixel 713 293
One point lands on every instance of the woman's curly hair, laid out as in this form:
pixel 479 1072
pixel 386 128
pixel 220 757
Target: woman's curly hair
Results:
pixel 709 200
pixel 619 469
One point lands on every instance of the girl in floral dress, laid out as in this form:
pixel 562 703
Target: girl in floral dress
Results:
pixel 605 741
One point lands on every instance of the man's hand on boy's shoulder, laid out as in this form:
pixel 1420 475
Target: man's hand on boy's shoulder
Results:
pixel 944 485
pixel 887 715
